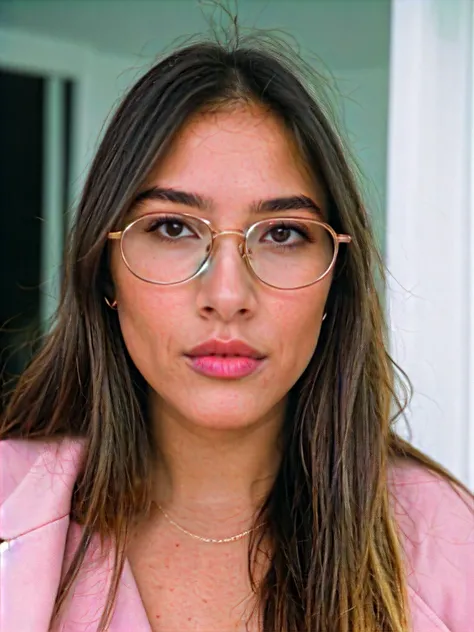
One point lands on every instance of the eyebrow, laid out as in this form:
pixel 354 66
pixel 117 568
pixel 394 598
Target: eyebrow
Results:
pixel 193 200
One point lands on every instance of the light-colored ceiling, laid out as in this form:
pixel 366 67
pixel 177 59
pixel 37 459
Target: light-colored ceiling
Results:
pixel 343 33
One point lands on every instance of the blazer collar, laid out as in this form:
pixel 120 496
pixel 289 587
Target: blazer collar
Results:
pixel 42 494
pixel 36 488
pixel 36 485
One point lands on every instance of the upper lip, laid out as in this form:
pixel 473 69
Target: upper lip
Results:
pixel 225 347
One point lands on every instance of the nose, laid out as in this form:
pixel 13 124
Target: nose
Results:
pixel 227 289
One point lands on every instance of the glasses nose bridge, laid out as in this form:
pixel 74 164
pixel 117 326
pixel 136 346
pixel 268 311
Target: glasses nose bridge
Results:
pixel 240 233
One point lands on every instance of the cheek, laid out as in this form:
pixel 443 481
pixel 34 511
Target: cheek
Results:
pixel 141 303
pixel 148 319
pixel 297 322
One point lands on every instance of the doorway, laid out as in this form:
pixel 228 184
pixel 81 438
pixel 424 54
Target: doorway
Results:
pixel 24 147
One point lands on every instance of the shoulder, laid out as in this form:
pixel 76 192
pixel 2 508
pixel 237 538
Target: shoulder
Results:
pixel 436 525
pixel 36 481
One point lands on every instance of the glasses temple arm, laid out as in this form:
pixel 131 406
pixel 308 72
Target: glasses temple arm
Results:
pixel 344 239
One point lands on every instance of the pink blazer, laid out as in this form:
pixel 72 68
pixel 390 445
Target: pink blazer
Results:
pixel 36 482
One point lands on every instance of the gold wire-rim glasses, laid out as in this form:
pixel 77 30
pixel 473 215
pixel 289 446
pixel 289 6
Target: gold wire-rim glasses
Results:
pixel 118 235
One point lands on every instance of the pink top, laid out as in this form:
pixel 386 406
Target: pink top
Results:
pixel 36 482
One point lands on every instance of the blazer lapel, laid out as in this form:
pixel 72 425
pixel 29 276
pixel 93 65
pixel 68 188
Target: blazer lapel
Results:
pixel 88 596
pixel 34 521
pixel 36 487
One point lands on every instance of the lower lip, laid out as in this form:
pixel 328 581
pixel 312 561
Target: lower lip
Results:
pixel 225 368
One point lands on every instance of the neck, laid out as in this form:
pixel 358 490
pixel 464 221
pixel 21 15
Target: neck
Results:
pixel 211 476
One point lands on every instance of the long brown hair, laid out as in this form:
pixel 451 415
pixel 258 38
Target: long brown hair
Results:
pixel 336 563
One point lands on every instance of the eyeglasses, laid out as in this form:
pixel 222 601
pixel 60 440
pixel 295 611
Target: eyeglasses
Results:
pixel 286 252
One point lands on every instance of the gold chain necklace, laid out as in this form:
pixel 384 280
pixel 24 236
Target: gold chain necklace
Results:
pixel 233 538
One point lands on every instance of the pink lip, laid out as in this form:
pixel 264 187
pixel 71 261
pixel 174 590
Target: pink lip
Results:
pixel 225 359
pixel 225 348
pixel 228 367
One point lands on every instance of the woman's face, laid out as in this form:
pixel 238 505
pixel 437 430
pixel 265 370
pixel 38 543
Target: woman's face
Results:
pixel 233 159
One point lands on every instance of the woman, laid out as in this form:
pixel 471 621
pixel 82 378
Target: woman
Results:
pixel 209 423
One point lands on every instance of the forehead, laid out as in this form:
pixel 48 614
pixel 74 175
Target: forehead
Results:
pixel 234 157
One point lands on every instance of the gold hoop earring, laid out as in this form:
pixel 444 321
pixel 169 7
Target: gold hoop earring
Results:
pixel 112 305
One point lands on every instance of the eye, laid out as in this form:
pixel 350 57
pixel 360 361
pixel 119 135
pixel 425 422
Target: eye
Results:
pixel 286 234
pixel 170 228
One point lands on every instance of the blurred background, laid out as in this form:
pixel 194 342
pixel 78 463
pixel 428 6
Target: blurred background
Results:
pixel 402 72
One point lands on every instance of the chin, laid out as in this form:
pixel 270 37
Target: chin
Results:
pixel 221 415
pixel 220 404
pixel 219 409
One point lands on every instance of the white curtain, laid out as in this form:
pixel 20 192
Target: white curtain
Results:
pixel 430 222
